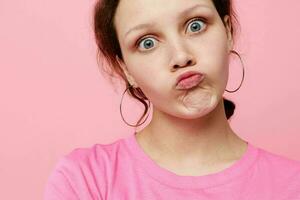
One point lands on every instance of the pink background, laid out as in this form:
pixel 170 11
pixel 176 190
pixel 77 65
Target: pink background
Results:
pixel 54 99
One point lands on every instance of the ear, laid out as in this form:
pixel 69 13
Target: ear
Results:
pixel 227 23
pixel 126 72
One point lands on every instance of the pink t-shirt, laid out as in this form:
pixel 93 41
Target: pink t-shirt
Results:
pixel 122 171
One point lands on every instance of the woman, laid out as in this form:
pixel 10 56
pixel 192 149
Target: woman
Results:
pixel 174 54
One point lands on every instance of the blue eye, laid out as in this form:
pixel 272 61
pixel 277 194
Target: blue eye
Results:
pixel 147 43
pixel 195 26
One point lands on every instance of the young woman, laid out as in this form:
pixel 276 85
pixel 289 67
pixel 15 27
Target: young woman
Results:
pixel 174 55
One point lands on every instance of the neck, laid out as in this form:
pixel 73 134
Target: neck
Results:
pixel 204 140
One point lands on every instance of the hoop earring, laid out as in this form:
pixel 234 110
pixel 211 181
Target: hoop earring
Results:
pixel 236 53
pixel 130 86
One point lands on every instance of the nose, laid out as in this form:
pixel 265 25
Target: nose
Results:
pixel 181 59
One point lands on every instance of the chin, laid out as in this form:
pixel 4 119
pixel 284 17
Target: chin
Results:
pixel 198 111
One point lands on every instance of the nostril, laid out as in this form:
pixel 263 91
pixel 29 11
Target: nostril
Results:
pixel 176 66
pixel 189 62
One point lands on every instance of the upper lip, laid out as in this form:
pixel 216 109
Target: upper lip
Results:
pixel 186 75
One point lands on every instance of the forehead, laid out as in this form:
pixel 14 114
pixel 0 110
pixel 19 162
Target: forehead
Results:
pixel 131 13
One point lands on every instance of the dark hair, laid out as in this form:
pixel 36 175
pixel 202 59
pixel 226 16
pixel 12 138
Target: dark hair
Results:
pixel 108 44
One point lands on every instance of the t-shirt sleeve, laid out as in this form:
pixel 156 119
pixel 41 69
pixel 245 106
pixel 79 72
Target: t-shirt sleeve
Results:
pixel 59 184
pixel 292 184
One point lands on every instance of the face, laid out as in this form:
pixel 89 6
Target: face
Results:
pixel 188 35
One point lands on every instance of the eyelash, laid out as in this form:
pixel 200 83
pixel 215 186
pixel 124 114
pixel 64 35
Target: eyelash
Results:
pixel 188 22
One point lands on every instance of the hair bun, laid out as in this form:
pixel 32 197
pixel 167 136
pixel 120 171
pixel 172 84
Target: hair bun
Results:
pixel 229 107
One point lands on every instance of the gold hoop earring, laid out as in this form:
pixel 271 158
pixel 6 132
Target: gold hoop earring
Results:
pixel 130 86
pixel 236 53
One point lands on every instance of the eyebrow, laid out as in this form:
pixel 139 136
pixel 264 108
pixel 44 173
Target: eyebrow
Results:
pixel 145 25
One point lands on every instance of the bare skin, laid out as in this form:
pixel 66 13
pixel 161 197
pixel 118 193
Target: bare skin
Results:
pixel 189 133
pixel 193 155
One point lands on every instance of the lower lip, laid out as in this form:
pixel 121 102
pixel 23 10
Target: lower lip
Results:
pixel 189 82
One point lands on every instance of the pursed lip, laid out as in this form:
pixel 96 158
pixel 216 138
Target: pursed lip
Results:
pixel 186 75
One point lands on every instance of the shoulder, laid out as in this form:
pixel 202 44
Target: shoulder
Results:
pixel 283 171
pixel 94 161
pixel 97 153
pixel 83 172
pixel 278 161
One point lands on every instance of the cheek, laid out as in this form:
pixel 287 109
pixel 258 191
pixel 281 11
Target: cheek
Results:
pixel 149 76
pixel 148 70
pixel 218 41
pixel 213 57
pixel 216 46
